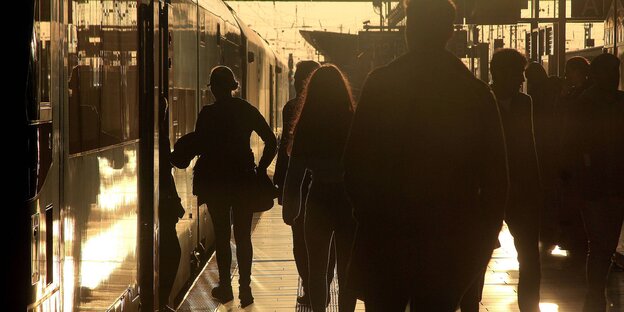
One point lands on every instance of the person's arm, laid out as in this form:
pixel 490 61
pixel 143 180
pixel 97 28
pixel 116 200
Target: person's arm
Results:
pixel 292 189
pixel 534 137
pixel 494 176
pixel 261 127
pixel 282 154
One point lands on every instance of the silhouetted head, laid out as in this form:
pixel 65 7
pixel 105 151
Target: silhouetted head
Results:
pixel 222 82
pixel 576 71
pixel 323 122
pixel 535 73
pixel 302 72
pixel 429 23
pixel 507 68
pixel 604 72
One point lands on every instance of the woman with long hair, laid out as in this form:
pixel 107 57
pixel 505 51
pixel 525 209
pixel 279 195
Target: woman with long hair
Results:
pixel 320 134
pixel 224 172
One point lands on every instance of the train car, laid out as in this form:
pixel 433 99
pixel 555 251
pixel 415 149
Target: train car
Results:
pixel 589 53
pixel 112 85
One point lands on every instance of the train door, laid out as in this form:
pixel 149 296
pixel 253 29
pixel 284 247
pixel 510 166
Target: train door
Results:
pixel 44 146
pixel 162 125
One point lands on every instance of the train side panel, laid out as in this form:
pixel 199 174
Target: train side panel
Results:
pixel 100 211
pixel 93 243
pixel 181 97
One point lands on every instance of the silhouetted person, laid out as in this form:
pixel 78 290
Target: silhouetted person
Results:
pixel 544 92
pixel 425 170
pixel 292 215
pixel 573 237
pixel 303 71
pixel 318 144
pixel 576 77
pixel 525 201
pixel 597 125
pixel 222 174
pixel 169 211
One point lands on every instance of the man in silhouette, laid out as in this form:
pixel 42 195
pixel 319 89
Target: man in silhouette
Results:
pixel 425 171
pixel 544 91
pixel 302 73
pixel 293 217
pixel 572 237
pixel 597 126
pixel 525 197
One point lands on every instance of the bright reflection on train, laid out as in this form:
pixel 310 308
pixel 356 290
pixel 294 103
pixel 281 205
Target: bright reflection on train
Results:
pixel 557 251
pixel 118 187
pixel 548 307
pixel 68 281
pixel 104 252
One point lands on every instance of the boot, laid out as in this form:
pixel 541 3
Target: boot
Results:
pixel 304 300
pixel 223 293
pixel 244 294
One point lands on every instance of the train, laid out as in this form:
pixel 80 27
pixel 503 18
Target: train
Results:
pixel 112 84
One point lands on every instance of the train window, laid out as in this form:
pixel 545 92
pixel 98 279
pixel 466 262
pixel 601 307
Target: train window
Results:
pixel 183 76
pixel 40 71
pixel 103 82
pixel 38 108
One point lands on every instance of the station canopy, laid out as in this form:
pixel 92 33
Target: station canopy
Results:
pixel 493 12
pixel 484 12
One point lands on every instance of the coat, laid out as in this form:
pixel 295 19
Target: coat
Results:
pixel 426 173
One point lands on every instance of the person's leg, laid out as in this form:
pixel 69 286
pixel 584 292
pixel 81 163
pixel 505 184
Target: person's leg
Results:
pixel 299 246
pixel 169 261
pixel 603 223
pixel 388 298
pixel 244 249
pixel 549 226
pixel 574 237
pixel 524 227
pixel 220 214
pixel 441 283
pixel 242 218
pixel 318 235
pixel 343 241
pixel 331 266
pixel 300 253
pixel 471 301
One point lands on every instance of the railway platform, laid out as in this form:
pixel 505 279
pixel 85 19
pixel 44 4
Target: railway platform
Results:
pixel 275 281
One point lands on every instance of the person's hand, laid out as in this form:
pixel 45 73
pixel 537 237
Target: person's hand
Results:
pixel 261 172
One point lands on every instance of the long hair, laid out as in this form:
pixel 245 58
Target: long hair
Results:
pixel 321 125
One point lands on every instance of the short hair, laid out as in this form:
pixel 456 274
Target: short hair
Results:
pixel 535 72
pixel 507 59
pixel 578 63
pixel 223 77
pixel 303 70
pixel 429 22
pixel 603 62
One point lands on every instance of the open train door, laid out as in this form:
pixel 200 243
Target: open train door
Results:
pixel 153 26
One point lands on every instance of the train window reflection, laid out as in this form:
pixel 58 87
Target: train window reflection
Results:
pixel 40 69
pixel 103 81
